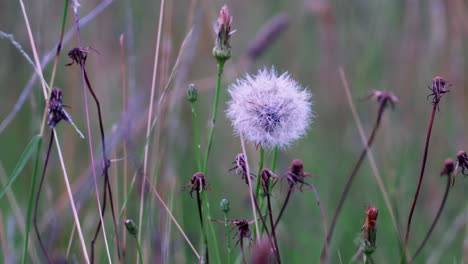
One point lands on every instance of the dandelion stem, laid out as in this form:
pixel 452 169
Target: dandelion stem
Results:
pixel 242 250
pixel 436 219
pixel 215 113
pixel 286 200
pixel 140 255
pixel 205 238
pixel 275 158
pixel 324 255
pixel 421 175
pixel 207 155
pixel 228 235
pixel 260 167
pixel 38 195
pixel 210 225
pixel 196 139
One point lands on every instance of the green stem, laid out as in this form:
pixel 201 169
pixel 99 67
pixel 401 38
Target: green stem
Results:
pixel 275 158
pixel 31 200
pixel 260 167
pixel 228 236
pixel 140 256
pixel 210 225
pixel 196 139
pixel 215 113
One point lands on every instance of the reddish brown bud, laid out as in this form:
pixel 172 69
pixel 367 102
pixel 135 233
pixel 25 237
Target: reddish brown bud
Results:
pixel 449 166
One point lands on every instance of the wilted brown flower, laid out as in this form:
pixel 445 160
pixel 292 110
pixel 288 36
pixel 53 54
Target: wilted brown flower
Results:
pixel 296 174
pixel 241 167
pixel 383 97
pixel 56 110
pixel 462 162
pixel 197 183
pixel 439 88
pixel 448 168
pixel 267 175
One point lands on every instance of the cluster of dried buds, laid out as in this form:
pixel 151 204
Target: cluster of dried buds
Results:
pixel 369 231
pixel 197 183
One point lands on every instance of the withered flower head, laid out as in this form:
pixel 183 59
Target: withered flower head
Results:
pixel 369 230
pixel 222 48
pixel 439 88
pixel 243 230
pixel 462 161
pixel 241 167
pixel 384 97
pixel 267 175
pixel 448 168
pixel 197 183
pixel 56 110
pixel 296 174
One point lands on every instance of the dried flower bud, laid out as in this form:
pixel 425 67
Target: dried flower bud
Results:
pixel 267 175
pixel 222 48
pixel 197 183
pixel 132 228
pixel 241 167
pixel 439 88
pixel 224 204
pixel 462 161
pixel 369 231
pixel 296 175
pixel 384 97
pixel 192 93
pixel 56 110
pixel 449 166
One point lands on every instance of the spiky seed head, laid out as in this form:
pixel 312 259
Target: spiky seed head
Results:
pixel 224 204
pixel 192 93
pixel 269 109
pixel 132 228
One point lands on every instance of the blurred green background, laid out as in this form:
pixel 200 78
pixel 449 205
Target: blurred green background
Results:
pixel 392 45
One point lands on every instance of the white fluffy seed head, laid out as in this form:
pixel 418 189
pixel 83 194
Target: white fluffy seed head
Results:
pixel 269 109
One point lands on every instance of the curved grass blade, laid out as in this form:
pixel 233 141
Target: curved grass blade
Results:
pixel 21 163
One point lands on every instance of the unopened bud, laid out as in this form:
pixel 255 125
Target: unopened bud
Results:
pixel 222 48
pixel 192 93
pixel 224 204
pixel 449 166
pixel 132 228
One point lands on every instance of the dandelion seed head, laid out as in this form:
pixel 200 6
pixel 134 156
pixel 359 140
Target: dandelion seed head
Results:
pixel 269 109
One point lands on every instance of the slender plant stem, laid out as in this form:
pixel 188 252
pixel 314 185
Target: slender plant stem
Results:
pixel 242 250
pixel 207 155
pixel 421 175
pixel 31 199
pixel 324 255
pixel 228 236
pixel 38 195
pixel 211 227
pixel 202 224
pixel 196 139
pixel 436 219
pixel 260 167
pixel 272 225
pixel 215 113
pixel 275 159
pixel 286 200
pixel 150 114
pixel 140 256
pixel 123 74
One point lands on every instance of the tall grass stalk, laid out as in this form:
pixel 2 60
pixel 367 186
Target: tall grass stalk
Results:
pixel 150 114
pixel 62 163
pixel 207 156
pixel 44 116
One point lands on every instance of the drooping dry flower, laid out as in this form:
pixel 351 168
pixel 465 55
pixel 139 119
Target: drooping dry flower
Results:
pixel 270 110
pixel 369 230
pixel 222 47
